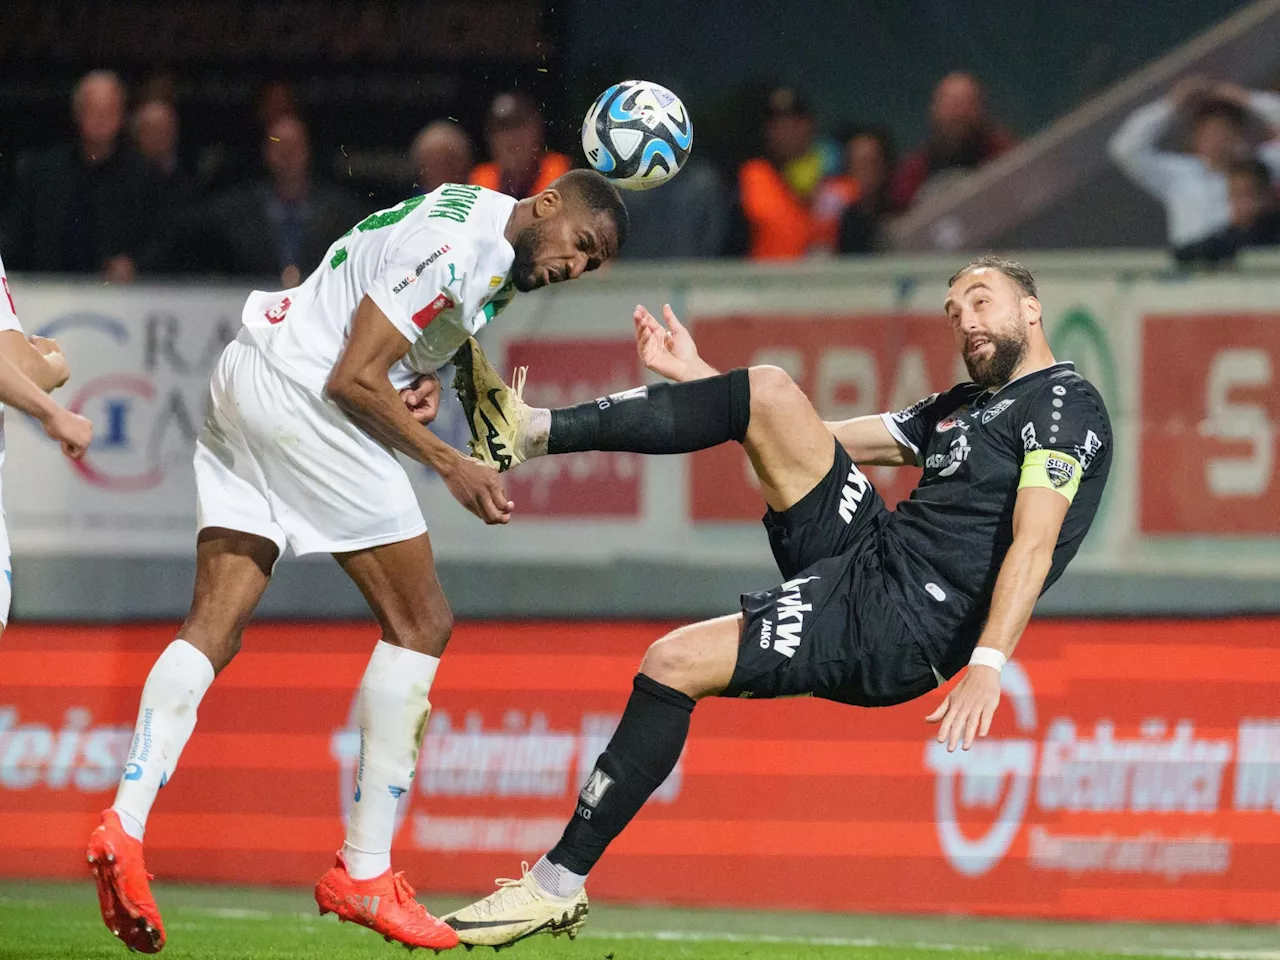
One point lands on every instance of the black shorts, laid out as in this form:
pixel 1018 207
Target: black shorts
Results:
pixel 830 630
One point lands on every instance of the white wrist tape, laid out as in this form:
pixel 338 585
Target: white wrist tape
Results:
pixel 988 657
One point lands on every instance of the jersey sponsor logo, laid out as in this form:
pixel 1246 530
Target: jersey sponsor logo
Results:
pixel 431 311
pixel 950 424
pixel 277 313
pixel 496 282
pixel 453 276
pixel 1086 451
pixel 1060 471
pixel 935 591
pixel 855 488
pixel 902 416
pixel 790 611
pixel 999 408
pixel 1029 440
pixel 948 463
pixel 417 271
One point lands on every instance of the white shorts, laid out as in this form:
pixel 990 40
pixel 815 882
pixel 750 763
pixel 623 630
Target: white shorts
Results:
pixel 277 460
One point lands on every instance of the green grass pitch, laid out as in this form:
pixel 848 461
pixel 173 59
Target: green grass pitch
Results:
pixel 43 921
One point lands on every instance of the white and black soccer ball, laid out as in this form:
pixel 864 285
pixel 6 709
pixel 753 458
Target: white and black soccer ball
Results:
pixel 638 134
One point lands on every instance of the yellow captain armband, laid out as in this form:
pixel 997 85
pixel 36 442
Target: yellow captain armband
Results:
pixel 1052 469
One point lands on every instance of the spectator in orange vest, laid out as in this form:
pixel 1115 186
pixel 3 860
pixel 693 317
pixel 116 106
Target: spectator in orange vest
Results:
pixel 776 192
pixel 962 137
pixel 521 164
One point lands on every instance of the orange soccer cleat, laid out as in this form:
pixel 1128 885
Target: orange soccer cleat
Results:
pixel 385 905
pixel 124 888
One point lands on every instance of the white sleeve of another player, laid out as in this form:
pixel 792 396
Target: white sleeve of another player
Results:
pixel 8 312
pixel 413 289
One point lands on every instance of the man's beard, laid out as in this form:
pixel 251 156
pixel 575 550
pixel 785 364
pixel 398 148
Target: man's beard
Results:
pixel 524 269
pixel 995 370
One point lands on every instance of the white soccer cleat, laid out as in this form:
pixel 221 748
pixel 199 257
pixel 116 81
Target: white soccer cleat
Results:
pixel 518 909
pixel 496 413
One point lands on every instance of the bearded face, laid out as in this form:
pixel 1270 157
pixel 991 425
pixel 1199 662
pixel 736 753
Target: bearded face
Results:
pixel 525 271
pixel 991 357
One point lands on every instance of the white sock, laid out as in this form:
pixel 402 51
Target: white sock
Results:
pixel 166 718
pixel 533 442
pixel 393 712
pixel 556 880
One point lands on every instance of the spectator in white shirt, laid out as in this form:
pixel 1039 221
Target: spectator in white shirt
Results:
pixel 1193 185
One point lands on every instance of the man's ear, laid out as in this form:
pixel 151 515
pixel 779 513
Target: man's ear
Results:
pixel 1032 306
pixel 548 203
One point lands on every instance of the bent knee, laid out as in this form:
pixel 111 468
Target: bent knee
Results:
pixel 768 379
pixel 772 388
pixel 670 661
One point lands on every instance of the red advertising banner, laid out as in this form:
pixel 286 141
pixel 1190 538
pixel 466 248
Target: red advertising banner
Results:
pixel 848 365
pixel 594 484
pixel 1210 405
pixel 1133 771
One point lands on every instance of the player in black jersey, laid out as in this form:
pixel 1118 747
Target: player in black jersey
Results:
pixel 878 606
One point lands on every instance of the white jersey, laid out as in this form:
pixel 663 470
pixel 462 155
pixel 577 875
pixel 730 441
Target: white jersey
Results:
pixel 437 265
pixel 8 321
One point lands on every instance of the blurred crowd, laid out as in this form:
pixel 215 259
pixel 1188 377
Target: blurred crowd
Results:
pixel 118 200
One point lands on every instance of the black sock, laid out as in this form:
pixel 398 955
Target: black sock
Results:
pixel 642 753
pixel 663 418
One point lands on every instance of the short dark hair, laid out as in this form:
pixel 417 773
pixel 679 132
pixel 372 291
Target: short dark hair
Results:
pixel 1254 169
pixel 1012 269
pixel 598 195
pixel 880 135
pixel 1233 113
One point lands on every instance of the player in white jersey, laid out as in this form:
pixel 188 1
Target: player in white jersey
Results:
pixel 31 368
pixel 306 407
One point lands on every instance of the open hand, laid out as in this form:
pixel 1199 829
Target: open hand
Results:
pixel 668 351
pixel 967 710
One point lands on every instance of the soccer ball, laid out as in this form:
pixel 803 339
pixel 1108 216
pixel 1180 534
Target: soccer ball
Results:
pixel 638 134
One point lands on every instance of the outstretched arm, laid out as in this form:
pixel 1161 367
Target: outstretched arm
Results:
pixel 670 352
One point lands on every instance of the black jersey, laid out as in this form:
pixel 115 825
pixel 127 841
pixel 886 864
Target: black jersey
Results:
pixel 943 547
